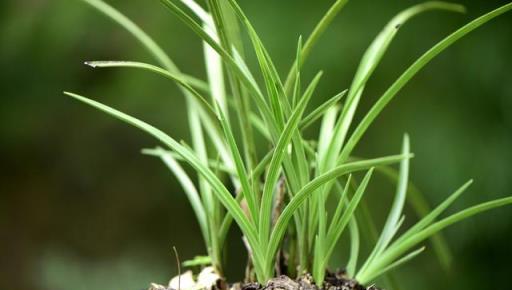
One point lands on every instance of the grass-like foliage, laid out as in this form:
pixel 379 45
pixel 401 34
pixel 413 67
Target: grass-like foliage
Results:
pixel 285 191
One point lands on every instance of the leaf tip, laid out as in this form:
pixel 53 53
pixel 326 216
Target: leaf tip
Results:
pixel 69 94
pixel 152 151
pixel 468 183
pixel 147 151
pixel 90 63
pixel 460 8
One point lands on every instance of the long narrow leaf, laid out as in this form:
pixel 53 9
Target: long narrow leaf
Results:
pixel 411 72
pixel 367 66
pixel 395 212
pixel 275 89
pixel 219 189
pixel 428 219
pixel 139 65
pixel 321 110
pixel 160 152
pixel 401 261
pixel 275 165
pixel 136 31
pixel 226 25
pixel 417 201
pixel 228 59
pixel 313 39
pixel 240 168
pixel 306 191
pixel 354 246
pixel 395 250
pixel 333 238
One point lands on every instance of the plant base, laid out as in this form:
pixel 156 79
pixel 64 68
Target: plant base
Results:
pixel 333 281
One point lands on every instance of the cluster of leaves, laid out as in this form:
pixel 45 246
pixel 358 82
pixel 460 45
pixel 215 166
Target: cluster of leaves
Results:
pixel 284 191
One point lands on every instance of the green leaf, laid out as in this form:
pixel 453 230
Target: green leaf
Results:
pixel 160 152
pixel 275 165
pixel 228 59
pixel 411 72
pixel 313 39
pixel 206 113
pixel 401 261
pixel 240 168
pixel 334 236
pixel 199 12
pixel 341 204
pixel 367 66
pixel 157 52
pixel 308 189
pixel 218 188
pixel 275 89
pixel 369 230
pixel 300 163
pixel 397 249
pixel 354 246
pixel 432 215
pixel 399 201
pixel 321 110
pixel 324 139
pixel 172 76
pixel 226 24
pixel 296 88
pixel 392 221
pixel 194 114
pixel 198 261
pixel 417 201
pixel 226 223
pixel 256 173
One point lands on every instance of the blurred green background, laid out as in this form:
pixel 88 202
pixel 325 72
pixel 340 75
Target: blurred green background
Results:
pixel 81 208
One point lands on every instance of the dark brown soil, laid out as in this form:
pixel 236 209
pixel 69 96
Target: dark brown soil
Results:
pixel 333 281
